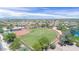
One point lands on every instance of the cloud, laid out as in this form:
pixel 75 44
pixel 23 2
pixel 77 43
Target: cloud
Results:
pixel 73 11
pixel 36 13
pixel 15 13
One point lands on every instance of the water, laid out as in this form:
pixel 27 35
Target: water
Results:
pixel 76 34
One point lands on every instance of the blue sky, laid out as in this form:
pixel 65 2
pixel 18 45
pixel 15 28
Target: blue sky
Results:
pixel 39 12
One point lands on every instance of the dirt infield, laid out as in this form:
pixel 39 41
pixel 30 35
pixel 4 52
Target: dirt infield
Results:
pixel 21 32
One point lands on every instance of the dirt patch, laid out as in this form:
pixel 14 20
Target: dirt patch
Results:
pixel 21 32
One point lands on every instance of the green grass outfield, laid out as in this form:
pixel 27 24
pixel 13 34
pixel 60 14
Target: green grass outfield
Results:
pixel 36 34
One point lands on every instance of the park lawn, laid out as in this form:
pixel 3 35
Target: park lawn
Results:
pixel 33 37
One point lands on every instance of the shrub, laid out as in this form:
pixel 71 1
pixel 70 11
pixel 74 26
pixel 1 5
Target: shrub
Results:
pixel 23 49
pixel 70 42
pixel 77 44
pixel 52 46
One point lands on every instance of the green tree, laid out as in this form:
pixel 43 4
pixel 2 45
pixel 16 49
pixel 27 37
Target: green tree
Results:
pixel 62 27
pixel 37 47
pixel 10 37
pixel 1 30
pixel 43 25
pixel 41 45
pixel 66 38
pixel 59 27
pixel 44 42
pixel 10 26
pixel 16 44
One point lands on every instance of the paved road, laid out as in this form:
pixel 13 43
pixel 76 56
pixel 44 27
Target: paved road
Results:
pixel 3 44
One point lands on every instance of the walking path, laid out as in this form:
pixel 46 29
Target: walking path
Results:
pixel 4 44
pixel 59 34
pixel 58 47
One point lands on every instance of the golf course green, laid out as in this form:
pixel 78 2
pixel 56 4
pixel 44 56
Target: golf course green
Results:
pixel 35 34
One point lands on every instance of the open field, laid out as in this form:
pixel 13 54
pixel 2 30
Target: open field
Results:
pixel 36 34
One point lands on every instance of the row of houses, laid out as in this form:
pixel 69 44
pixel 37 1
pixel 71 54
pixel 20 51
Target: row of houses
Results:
pixel 12 30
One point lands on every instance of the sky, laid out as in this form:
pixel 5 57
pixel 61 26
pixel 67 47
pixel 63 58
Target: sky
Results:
pixel 39 12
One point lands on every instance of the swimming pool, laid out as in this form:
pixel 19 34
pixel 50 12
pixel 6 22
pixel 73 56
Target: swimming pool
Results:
pixel 76 34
